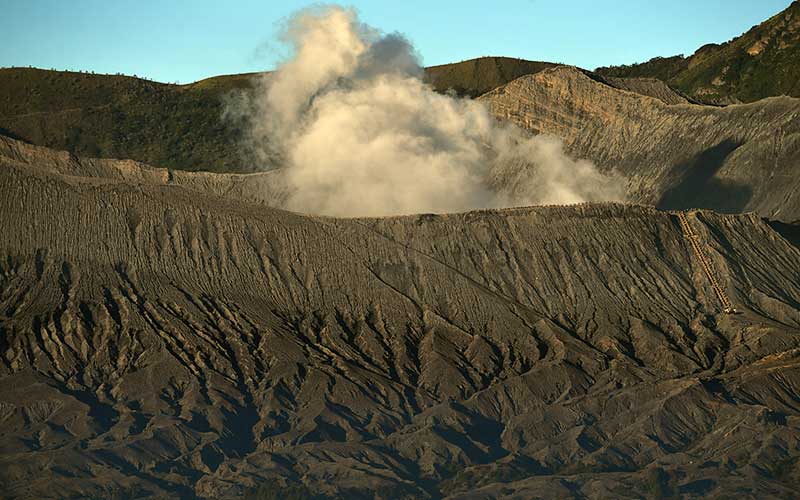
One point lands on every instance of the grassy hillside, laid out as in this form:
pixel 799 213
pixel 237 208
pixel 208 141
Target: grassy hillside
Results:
pixel 763 62
pixel 173 126
pixel 478 76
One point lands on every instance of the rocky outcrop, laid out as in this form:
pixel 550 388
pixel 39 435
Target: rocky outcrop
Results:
pixel 160 339
pixel 735 159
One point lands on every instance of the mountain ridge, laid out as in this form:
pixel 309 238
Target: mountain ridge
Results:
pixel 180 126
pixel 757 64
pixel 731 159
pixel 174 126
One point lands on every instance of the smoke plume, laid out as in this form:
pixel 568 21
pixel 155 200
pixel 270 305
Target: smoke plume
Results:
pixel 357 132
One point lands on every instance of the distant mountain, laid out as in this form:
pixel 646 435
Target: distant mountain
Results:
pixel 172 126
pixel 763 62
pixel 110 116
pixel 180 126
pixel 477 76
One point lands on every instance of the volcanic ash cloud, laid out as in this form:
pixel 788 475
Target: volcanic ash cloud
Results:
pixel 358 133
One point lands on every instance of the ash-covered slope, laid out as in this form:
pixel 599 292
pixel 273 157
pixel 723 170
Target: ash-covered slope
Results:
pixel 651 87
pixel 734 159
pixel 158 340
pixel 265 187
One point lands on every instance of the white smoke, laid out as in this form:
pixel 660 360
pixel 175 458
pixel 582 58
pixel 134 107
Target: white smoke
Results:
pixel 357 132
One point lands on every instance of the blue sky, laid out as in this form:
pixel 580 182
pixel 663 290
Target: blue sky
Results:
pixel 187 40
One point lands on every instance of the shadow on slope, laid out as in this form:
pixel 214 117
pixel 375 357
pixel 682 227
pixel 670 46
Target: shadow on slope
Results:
pixel 699 188
pixel 790 232
pixel 11 134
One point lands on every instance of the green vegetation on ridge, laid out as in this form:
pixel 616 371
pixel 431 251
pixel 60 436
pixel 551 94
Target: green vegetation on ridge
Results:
pixel 172 126
pixel 763 62
pixel 112 116
pixel 478 76
pixel 181 126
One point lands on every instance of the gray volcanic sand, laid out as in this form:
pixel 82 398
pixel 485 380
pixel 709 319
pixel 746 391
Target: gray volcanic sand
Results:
pixel 163 338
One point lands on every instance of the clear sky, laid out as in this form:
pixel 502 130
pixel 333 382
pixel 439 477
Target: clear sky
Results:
pixel 187 40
